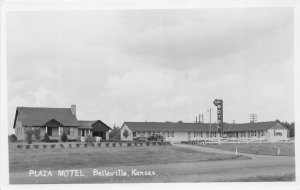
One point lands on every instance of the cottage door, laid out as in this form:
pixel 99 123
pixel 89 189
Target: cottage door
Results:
pixel 49 131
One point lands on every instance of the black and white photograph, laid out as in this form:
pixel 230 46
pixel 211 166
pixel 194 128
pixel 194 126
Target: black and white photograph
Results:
pixel 148 95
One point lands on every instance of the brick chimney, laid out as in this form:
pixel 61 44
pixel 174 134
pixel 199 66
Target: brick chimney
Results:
pixel 73 109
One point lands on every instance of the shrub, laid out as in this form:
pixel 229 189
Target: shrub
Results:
pixel 46 138
pixel 12 138
pixel 93 144
pixel 160 143
pixel 153 143
pixel 64 137
pixel 89 139
pixel 70 145
pixel 36 146
pixel 99 144
pixel 114 144
pixel 129 143
pixel 37 134
pixel 61 145
pixel 135 143
pixel 141 143
pixel 44 146
pixel 120 144
pixel 107 144
pixel 148 143
pixel 28 134
pixel 19 146
pixel 52 145
pixel 27 146
pixel 78 139
pixel 85 145
pixel 77 145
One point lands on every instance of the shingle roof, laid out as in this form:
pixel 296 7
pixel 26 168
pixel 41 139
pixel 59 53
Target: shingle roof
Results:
pixel 249 126
pixel 86 124
pixel 196 127
pixel 39 116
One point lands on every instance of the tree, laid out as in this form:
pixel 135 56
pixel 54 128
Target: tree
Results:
pixel 291 128
pixel 115 134
pixel 29 133
pixel 37 134
pixel 64 137
pixel 12 138
pixel 125 133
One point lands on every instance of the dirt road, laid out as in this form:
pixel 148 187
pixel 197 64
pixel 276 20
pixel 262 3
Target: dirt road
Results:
pixel 209 171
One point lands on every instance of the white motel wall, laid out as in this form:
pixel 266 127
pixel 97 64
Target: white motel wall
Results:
pixel 276 132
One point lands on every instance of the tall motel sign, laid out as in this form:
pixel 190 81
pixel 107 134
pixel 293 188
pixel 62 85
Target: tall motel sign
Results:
pixel 219 104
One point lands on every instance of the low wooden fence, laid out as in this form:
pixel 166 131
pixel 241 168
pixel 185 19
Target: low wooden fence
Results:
pixel 93 145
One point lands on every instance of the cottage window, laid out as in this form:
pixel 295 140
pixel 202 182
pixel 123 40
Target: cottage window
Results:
pixel 278 134
pixel 66 130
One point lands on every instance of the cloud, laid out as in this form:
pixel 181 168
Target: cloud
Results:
pixel 154 65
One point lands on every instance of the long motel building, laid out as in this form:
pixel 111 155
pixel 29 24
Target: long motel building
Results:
pixel 180 131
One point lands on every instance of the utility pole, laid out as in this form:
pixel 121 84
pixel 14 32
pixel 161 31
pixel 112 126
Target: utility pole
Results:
pixel 209 121
pixel 253 117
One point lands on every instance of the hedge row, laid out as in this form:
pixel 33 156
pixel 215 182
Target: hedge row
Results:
pixel 107 144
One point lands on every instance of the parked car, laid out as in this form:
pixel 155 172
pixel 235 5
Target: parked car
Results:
pixel 155 137
pixel 140 139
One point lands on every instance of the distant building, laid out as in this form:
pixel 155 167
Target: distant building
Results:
pixel 55 121
pixel 175 132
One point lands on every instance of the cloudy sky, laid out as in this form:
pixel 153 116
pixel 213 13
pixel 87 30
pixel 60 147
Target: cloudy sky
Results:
pixel 154 65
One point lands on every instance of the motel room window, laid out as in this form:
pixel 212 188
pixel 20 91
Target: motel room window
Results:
pixel 201 133
pixel 134 134
pixel 195 134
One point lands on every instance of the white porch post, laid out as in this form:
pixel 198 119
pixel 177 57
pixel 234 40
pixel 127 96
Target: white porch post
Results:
pixel 59 131
pixel 46 129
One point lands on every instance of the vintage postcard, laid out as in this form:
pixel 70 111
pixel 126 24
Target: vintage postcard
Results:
pixel 95 93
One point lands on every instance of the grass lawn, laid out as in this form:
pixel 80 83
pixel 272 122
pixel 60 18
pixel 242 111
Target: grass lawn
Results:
pixel 286 149
pixel 92 157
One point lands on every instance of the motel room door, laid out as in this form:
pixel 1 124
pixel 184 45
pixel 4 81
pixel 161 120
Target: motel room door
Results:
pixel 189 136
